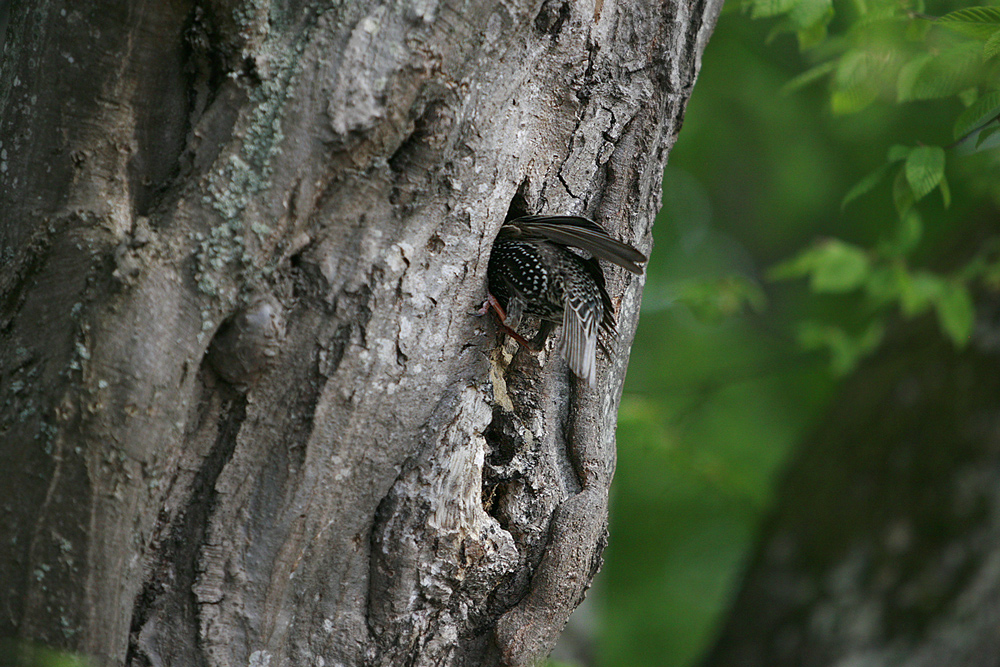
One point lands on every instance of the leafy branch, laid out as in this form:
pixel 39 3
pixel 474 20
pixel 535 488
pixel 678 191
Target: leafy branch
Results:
pixel 891 53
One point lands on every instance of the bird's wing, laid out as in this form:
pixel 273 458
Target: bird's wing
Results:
pixel 585 234
pixel 579 339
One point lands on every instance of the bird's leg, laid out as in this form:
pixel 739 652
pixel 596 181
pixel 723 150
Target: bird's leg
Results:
pixel 491 303
pixel 518 337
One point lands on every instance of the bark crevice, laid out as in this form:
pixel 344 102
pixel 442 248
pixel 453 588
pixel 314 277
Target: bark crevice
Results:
pixel 166 615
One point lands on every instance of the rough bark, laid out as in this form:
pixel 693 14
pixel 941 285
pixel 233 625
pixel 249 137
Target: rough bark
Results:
pixel 246 415
pixel 885 547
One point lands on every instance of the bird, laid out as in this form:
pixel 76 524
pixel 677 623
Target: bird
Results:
pixel 534 270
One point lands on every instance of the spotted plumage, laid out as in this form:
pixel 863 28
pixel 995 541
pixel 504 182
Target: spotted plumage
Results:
pixel 533 271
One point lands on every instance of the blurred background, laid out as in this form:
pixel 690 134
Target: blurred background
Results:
pixel 764 293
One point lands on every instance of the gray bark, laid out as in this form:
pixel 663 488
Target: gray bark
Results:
pixel 884 550
pixel 246 415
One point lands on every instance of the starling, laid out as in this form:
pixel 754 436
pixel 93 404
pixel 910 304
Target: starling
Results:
pixel 532 270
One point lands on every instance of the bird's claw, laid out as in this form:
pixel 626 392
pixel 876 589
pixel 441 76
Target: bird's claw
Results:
pixel 491 303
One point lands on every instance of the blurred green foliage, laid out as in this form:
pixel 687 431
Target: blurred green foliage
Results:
pixel 20 653
pixel 797 230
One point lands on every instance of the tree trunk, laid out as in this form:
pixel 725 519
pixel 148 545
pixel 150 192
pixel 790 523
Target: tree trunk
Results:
pixel 246 413
pixel 885 547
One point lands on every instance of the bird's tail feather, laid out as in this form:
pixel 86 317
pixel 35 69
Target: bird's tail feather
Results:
pixel 585 234
pixel 578 345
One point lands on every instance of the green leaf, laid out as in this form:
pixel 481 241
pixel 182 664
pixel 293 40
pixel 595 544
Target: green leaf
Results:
pixel 956 312
pixel 780 28
pixel 906 234
pixel 916 31
pixel 943 74
pixel 832 265
pixel 992 46
pixel 845 350
pixel 902 194
pixel 795 267
pixel 968 96
pixel 980 113
pixel 808 13
pixel 766 8
pixel 882 287
pixel 715 300
pixel 880 18
pixel 908 75
pixel 984 136
pixel 917 290
pixel 897 153
pixel 978 22
pixel 810 75
pixel 855 84
pixel 841 268
pixel 812 36
pixel 865 185
pixel 845 101
pixel 945 193
pixel 924 170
